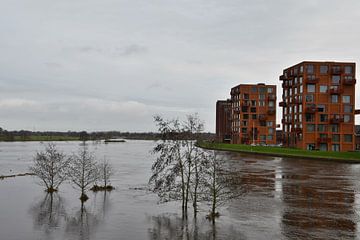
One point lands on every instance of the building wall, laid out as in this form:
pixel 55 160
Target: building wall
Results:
pixel 253 114
pixel 223 120
pixel 318 106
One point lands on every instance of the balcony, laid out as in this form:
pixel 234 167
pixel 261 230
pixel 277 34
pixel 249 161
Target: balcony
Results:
pixel 357 111
pixel 297 130
pixel 349 81
pixel 262 118
pixel 284 121
pixel 335 91
pixel 282 104
pixel 295 101
pixel 324 140
pixel 282 78
pixel 236 110
pixel 311 109
pixel 285 85
pixel 312 80
pixel 271 111
pixel 245 103
pixel 336 120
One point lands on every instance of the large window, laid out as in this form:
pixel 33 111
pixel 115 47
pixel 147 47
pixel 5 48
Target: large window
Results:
pixel 334 128
pixel 346 99
pixel 348 108
pixel 347 118
pixel 310 68
pixel 269 123
pixel 323 88
pixel 336 137
pixel 335 147
pixel 254 89
pixel 271 103
pixel 270 137
pixel 271 131
pixel 310 88
pixel 270 90
pixel 323 117
pixel 324 69
pixel 321 128
pixel 348 70
pixel 321 107
pixel 310 127
pixel 335 80
pixel 334 98
pixel 348 138
pixel 309 98
pixel 309 117
pixel 262 96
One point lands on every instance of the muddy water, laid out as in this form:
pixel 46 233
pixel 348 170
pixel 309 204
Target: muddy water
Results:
pixel 281 199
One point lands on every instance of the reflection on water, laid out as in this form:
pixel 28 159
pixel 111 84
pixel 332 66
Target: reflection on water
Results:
pixel 48 213
pixel 283 199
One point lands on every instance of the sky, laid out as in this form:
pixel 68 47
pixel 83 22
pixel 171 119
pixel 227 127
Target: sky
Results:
pixel 112 65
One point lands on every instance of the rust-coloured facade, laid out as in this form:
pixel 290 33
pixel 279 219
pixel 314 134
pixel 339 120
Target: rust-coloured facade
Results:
pixel 223 121
pixel 253 114
pixel 319 105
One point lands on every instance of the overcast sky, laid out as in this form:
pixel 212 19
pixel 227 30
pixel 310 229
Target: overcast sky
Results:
pixel 113 64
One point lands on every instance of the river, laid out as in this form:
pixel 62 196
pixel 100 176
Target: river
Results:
pixel 281 199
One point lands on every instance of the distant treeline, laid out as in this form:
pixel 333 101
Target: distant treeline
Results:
pixel 25 135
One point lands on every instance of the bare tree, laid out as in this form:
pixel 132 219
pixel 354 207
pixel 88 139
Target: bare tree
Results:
pixel 176 168
pixel 83 170
pixel 216 184
pixel 106 171
pixel 50 166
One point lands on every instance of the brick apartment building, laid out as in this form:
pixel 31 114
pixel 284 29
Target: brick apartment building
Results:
pixel 318 106
pixel 223 121
pixel 253 117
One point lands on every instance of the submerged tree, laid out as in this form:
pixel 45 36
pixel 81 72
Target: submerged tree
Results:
pixel 176 169
pixel 106 170
pixel 83 170
pixel 50 166
pixel 216 184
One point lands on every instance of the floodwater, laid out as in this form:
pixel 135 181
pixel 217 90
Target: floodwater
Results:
pixel 282 199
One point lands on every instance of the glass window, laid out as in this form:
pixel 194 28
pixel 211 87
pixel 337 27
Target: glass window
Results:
pixel 348 108
pixel 310 146
pixel 346 99
pixel 269 137
pixel 347 118
pixel 310 88
pixel 336 137
pixel 348 70
pixel 335 147
pixel 324 69
pixel 254 89
pixel 321 108
pixel 300 80
pixel 334 98
pixel 322 128
pixel 269 123
pixel 246 96
pixel 263 137
pixel 271 103
pixel 244 123
pixel 309 117
pixel 310 127
pixel 261 103
pixel 270 90
pixel 243 130
pixel 246 116
pixel 347 138
pixel 253 103
pixel 271 131
pixel 309 98
pixel 309 68
pixel 253 116
pixel 323 117
pixel 334 128
pixel 323 88
pixel 262 96
pixel 262 90
pixel 335 79
pixel 301 69
pixel 253 109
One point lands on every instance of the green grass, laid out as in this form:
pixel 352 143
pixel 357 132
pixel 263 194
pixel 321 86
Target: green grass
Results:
pixel 280 151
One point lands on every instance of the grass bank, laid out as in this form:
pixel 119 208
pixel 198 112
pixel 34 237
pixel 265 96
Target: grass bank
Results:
pixel 40 138
pixel 351 157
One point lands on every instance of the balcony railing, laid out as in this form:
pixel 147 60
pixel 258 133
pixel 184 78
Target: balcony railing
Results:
pixel 336 119
pixel 312 80
pixel 282 78
pixel 349 81
pixel 282 104
pixel 323 140
pixel 297 130
pixel 284 121
pixel 310 109
pixel 271 111
pixel 335 90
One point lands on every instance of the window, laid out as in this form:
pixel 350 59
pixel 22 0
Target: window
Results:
pixel 262 96
pixel 262 123
pixel 253 116
pixel 348 108
pixel 321 108
pixel 334 98
pixel 309 68
pixel 324 69
pixel 271 131
pixel 347 138
pixel 246 116
pixel 262 90
pixel 310 146
pixel 244 109
pixel 336 137
pixel 347 118
pixel 301 69
pixel 253 103
pixel 309 117
pixel 270 90
pixel 310 127
pixel 334 128
pixel 262 103
pixel 323 117
pixel 246 96
pixel 323 88
pixel 269 137
pixel 309 98
pixel 244 123
pixel 300 80
pixel 254 89
pixel 310 88
pixel 243 130
pixel 263 137
pixel 321 128
pixel 346 99
pixel 348 70
pixel 335 79
pixel 271 103
pixel 269 123
pixel 335 147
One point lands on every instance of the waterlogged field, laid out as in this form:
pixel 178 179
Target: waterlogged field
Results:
pixel 283 199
